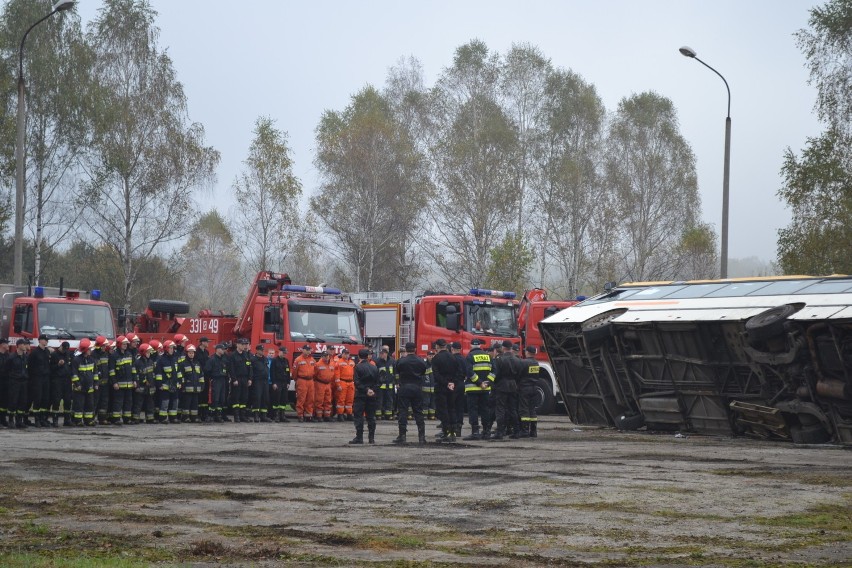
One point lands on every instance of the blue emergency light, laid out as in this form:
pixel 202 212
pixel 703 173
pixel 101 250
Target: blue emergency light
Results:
pixel 492 293
pixel 95 294
pixel 311 289
pixel 38 292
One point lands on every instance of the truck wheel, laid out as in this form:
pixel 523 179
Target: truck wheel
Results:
pixel 599 327
pixel 547 402
pixel 815 434
pixel 169 306
pixel 629 421
pixel 768 324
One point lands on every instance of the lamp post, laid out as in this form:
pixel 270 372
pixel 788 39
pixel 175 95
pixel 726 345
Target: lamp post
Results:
pixel 723 271
pixel 20 166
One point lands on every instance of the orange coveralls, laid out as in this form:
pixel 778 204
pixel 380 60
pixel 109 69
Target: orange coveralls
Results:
pixel 345 386
pixel 323 377
pixel 303 372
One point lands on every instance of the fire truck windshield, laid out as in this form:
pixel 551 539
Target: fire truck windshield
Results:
pixel 490 319
pixel 63 320
pixel 328 323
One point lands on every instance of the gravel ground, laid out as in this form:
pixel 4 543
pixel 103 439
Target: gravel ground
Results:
pixel 298 494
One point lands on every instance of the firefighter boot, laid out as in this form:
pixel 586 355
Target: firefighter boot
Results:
pixel 264 417
pixel 401 438
pixel 55 422
pixel 372 433
pixel 20 421
pixel 533 429
pixel 474 434
pixel 421 434
pixel 525 430
pixel 217 416
pixel 67 419
pixel 256 416
pixel 457 431
pixel 3 421
pixel 359 436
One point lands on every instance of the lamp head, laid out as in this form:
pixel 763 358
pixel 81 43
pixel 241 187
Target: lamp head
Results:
pixel 687 51
pixel 63 5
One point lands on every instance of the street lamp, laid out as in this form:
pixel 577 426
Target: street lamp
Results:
pixel 60 6
pixel 689 52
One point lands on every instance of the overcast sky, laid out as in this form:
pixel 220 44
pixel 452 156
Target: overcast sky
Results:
pixel 293 60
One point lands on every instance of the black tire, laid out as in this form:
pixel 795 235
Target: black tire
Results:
pixel 629 421
pixel 169 306
pixel 815 434
pixel 547 401
pixel 599 327
pixel 770 323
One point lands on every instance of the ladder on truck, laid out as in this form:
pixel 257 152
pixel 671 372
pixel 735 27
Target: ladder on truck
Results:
pixel 405 299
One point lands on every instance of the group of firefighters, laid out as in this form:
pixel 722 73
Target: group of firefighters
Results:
pixel 131 382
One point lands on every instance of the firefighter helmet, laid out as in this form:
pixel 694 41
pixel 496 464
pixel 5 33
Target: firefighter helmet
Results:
pixel 190 347
pixel 99 341
pixel 180 338
pixel 121 339
pixel 132 337
pixel 85 343
pixel 144 347
pixel 168 343
pixel 155 344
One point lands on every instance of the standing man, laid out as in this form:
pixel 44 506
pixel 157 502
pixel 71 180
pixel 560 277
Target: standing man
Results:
pixel 168 378
pixel 240 371
pixel 409 372
pixel 261 369
pixel 122 379
pixel 143 401
pixel 344 377
pixel 528 385
pixel 366 401
pixel 304 374
pixel 429 388
pixel 39 387
pixel 4 387
pixel 386 389
pixel 444 369
pixel 461 372
pixel 60 383
pixel 505 392
pixel 202 355
pixel 280 373
pixel 100 354
pixel 477 389
pixel 18 374
pixel 216 373
pixel 323 378
pixel 84 384
pixel 193 385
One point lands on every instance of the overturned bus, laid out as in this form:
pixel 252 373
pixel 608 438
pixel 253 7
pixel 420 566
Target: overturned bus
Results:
pixel 767 357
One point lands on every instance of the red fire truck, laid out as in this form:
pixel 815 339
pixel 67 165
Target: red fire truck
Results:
pixel 275 312
pixel 60 314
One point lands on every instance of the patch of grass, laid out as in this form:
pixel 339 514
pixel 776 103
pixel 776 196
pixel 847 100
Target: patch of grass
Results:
pixel 79 560
pixel 604 506
pixel 825 517
pixel 402 542
pixel 671 514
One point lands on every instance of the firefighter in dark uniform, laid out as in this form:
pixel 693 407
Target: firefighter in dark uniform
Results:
pixel 216 372
pixel 168 377
pixel 122 381
pixel 261 369
pixel 444 369
pixel 4 386
pixel 505 392
pixel 38 365
pixel 280 385
pixel 84 384
pixel 410 370
pixel 60 383
pixel 366 397
pixel 528 385
pixel 146 386
pixel 100 354
pixel 461 372
pixel 193 385
pixel 385 364
pixel 202 355
pixel 429 388
pixel 477 390
pixel 239 369
pixel 17 374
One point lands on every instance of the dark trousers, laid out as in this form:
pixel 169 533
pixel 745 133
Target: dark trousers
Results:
pixel 365 404
pixel 39 391
pixel 277 397
pixel 445 405
pixel 57 394
pixel 240 395
pixel 122 403
pixel 169 401
pixel 528 400
pixel 410 396
pixel 143 401
pixel 386 395
pixel 220 394
pixel 259 396
pixel 18 397
pixel 84 406
pixel 461 403
pixel 189 404
pixel 102 401
pixel 479 410
pixel 506 409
